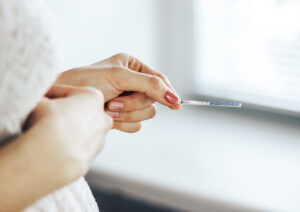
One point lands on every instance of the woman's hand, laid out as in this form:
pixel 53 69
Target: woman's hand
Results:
pixel 78 124
pixel 64 133
pixel 122 73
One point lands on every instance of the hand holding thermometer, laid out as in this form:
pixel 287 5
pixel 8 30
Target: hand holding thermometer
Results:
pixel 212 104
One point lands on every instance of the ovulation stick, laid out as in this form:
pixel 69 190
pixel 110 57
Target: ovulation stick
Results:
pixel 212 103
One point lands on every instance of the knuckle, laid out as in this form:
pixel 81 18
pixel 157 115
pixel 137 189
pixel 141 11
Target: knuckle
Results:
pixel 120 58
pixel 116 71
pixel 155 82
pixel 158 73
pixel 122 55
pixel 135 64
pixel 161 75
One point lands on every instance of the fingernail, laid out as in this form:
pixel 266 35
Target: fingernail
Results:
pixel 116 105
pixel 171 98
pixel 175 107
pixel 113 114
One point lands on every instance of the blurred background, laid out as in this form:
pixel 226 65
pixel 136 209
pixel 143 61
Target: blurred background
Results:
pixel 199 159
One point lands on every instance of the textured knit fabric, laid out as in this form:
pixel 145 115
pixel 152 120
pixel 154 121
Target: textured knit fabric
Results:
pixel 76 197
pixel 30 58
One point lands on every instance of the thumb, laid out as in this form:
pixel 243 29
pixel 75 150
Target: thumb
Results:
pixel 62 91
pixel 153 86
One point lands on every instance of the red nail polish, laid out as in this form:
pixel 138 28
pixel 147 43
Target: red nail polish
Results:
pixel 171 98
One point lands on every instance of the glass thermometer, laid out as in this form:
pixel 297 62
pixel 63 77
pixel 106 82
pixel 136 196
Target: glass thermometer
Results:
pixel 212 103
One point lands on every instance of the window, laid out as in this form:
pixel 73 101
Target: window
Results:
pixel 249 51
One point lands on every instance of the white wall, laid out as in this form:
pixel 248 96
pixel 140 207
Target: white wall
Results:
pixel 96 29
pixel 158 32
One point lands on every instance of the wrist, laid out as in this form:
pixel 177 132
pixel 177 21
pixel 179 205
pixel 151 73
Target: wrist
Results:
pixel 25 176
pixel 54 162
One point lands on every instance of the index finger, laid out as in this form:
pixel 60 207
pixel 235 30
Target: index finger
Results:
pixel 135 64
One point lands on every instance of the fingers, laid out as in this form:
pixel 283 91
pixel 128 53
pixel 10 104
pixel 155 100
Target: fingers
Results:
pixel 133 116
pixel 130 74
pixel 143 78
pixel 131 121
pixel 129 111
pixel 86 98
pixel 152 86
pixel 136 65
pixel 135 101
pixel 129 127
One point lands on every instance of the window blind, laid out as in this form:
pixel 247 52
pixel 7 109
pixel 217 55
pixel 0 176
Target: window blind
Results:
pixel 249 51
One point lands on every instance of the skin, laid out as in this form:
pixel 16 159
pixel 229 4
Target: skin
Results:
pixel 120 73
pixel 65 132
pixel 67 129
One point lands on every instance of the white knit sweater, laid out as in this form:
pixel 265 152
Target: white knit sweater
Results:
pixel 29 63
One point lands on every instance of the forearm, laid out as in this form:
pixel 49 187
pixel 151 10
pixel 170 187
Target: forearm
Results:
pixel 24 174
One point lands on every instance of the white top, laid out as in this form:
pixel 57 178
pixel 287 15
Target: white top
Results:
pixel 30 55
